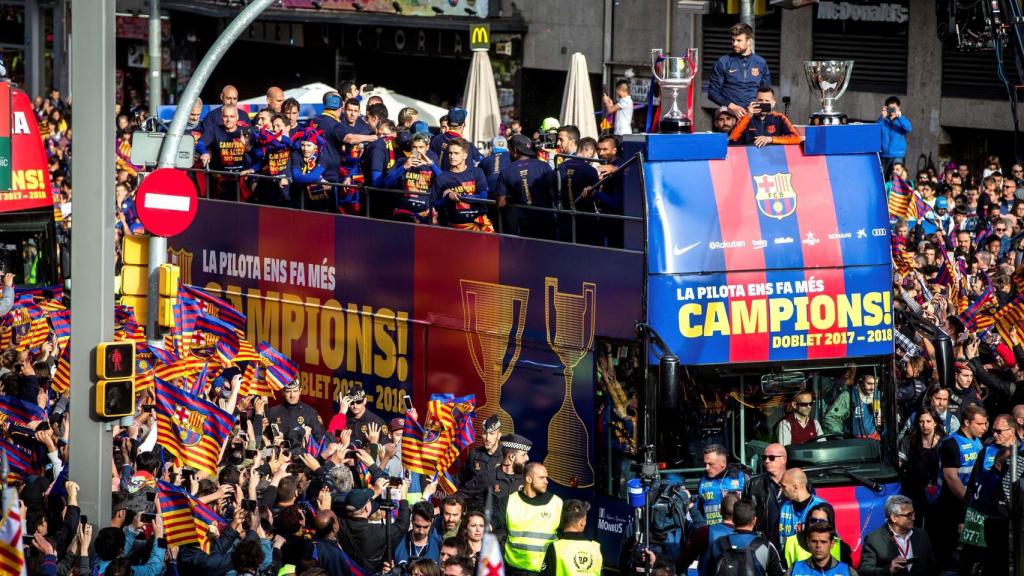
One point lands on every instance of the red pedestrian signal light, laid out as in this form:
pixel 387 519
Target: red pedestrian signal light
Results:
pixel 115 360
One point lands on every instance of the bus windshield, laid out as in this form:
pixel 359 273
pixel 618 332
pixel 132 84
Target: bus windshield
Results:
pixel 833 417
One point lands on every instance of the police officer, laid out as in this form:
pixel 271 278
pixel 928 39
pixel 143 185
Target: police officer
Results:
pixel 573 554
pixel 532 516
pixel 719 478
pixel 507 478
pixel 293 414
pixel 360 417
pixel 481 461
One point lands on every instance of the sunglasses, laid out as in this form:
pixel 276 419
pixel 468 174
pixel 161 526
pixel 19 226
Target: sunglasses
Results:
pixel 1001 430
pixel 360 401
pixel 906 515
pixel 805 404
pixel 1000 229
pixel 772 457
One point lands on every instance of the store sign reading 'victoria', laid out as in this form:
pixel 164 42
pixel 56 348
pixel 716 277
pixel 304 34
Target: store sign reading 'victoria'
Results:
pixel 891 13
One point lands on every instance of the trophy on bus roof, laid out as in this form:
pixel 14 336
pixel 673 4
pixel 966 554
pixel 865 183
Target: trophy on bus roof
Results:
pixel 828 78
pixel 674 73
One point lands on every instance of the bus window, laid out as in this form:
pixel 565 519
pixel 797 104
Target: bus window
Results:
pixel 827 415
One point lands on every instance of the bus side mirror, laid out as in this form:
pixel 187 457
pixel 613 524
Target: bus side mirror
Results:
pixel 943 358
pixel 668 381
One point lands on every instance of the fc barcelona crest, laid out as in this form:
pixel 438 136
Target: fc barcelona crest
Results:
pixel 190 425
pixel 182 259
pixel 775 195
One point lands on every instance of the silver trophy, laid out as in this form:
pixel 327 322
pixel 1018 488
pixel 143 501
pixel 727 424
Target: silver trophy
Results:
pixel 674 73
pixel 829 78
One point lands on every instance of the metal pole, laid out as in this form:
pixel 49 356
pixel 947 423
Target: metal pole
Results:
pixel 202 74
pixel 155 57
pixel 747 12
pixel 158 246
pixel 92 304
pixel 609 10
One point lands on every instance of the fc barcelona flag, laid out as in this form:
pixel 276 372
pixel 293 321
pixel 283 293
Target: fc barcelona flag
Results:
pixel 190 428
pixel 979 315
pixel 280 370
pixel 19 411
pixel 215 306
pixel 186 520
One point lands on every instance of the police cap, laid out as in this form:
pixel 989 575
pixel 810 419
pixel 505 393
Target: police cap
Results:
pixel 516 442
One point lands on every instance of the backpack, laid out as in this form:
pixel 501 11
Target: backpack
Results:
pixel 736 561
pixel 668 517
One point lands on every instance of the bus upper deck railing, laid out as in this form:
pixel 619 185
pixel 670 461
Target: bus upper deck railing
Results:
pixel 215 180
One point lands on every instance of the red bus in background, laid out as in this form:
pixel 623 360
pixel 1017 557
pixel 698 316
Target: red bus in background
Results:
pixel 28 216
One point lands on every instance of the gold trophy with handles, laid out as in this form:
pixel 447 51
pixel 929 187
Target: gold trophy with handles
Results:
pixel 495 317
pixel 569 320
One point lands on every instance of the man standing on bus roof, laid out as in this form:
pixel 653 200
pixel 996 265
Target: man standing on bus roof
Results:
pixel 737 76
pixel 957 455
pixel 798 502
pixel 857 413
pixel 798 427
pixel 765 490
pixel 719 478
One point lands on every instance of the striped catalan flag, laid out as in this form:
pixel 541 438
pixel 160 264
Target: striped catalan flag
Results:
pixel 433 451
pixel 979 315
pixel 1011 315
pixel 903 261
pixel 190 428
pixel 246 351
pixel 60 320
pixel 1018 279
pixel 186 520
pixel 280 370
pixel 62 377
pixel 899 199
pixel 12 556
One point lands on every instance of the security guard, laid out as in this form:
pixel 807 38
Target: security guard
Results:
pixel 719 479
pixel 532 516
pixel 507 478
pixel 293 414
pixel 573 554
pixel 481 461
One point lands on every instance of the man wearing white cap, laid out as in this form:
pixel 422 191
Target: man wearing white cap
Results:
pixel 481 461
pixel 294 413
pixel 360 417
pixel 507 478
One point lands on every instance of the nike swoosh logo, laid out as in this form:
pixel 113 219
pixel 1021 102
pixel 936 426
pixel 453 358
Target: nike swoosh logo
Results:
pixel 680 251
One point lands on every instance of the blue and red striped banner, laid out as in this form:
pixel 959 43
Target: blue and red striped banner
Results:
pixel 769 255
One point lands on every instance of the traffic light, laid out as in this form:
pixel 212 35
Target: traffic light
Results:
pixel 115 360
pixel 115 398
pixel 169 274
pixel 135 275
pixel 115 373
